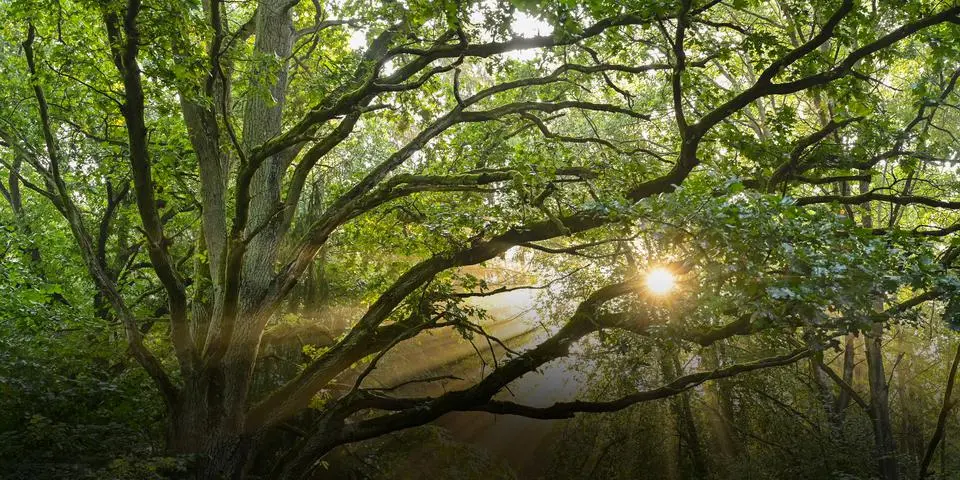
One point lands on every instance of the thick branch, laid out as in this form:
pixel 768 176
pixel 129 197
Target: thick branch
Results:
pixel 416 413
pixel 64 202
pixel 679 385
pixel 126 48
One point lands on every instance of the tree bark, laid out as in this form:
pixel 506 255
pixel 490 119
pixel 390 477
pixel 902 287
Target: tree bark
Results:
pixel 210 417
pixel 261 122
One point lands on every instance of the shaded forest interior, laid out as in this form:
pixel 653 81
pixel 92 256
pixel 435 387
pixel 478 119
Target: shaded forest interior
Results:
pixel 490 239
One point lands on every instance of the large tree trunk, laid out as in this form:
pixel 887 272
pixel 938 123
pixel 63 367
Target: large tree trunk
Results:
pixel 261 121
pixel 209 418
pixel 214 165
pixel 199 426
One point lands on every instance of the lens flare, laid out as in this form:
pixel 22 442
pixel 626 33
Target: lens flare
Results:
pixel 660 281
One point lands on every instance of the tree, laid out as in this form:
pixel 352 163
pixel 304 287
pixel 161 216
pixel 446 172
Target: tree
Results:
pixel 232 110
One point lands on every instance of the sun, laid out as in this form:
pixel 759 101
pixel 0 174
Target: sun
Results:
pixel 660 281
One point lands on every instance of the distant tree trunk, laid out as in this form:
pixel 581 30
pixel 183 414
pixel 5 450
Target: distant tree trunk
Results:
pixel 835 406
pixel 880 403
pixel 672 454
pixel 879 389
pixel 940 432
pixel 15 198
pixel 849 363
pixel 683 414
pixel 911 421
pixel 717 397
pixel 825 392
pixel 314 291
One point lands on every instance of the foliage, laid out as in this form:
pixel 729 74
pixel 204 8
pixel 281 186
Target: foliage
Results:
pixel 249 205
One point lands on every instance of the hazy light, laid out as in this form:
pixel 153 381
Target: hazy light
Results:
pixel 528 26
pixel 660 281
pixel 358 39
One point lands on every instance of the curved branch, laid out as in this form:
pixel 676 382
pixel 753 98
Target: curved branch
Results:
pixel 792 165
pixel 63 200
pixel 297 393
pixel 679 385
pixel 125 50
pixel 415 412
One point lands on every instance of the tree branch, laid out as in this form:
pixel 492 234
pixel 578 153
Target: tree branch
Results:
pixel 126 47
pixel 62 199
pixel 878 197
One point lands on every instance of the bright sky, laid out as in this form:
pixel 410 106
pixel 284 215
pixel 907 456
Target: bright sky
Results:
pixel 523 25
pixel 358 39
pixel 528 26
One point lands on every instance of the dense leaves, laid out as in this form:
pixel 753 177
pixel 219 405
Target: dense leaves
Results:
pixel 221 219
